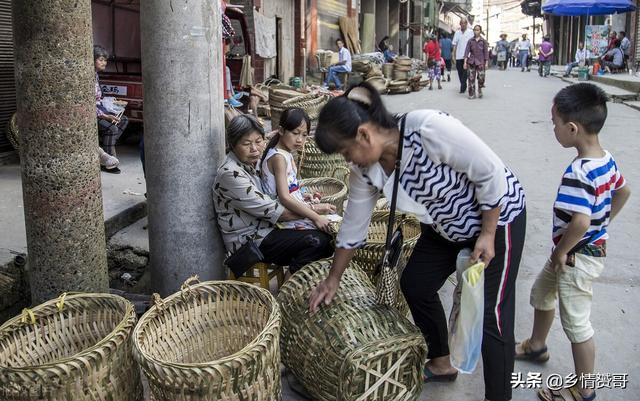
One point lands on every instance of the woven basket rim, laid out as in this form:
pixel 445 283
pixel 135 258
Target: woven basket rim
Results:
pixel 274 315
pixel 17 321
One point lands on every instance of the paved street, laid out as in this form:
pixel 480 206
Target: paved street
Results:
pixel 514 119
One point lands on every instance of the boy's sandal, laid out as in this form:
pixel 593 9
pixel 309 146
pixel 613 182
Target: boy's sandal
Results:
pixel 564 394
pixel 429 376
pixel 541 355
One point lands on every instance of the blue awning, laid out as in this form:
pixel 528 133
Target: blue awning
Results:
pixel 588 7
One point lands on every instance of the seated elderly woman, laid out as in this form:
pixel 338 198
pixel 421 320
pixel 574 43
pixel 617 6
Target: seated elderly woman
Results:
pixel 245 214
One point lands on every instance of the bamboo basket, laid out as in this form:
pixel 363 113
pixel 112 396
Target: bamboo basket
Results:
pixel 311 104
pixel 370 254
pixel 217 340
pixel 353 349
pixel 333 191
pixel 278 94
pixel 75 348
pixel 313 163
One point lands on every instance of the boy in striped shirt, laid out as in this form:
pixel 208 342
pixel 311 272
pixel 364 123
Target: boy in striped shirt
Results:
pixel 591 193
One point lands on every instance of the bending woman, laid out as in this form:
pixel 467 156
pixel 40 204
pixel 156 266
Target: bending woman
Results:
pixel 464 196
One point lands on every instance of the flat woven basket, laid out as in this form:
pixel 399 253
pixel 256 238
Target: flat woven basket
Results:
pixel 217 340
pixel 75 348
pixel 313 163
pixel 353 349
pixel 333 190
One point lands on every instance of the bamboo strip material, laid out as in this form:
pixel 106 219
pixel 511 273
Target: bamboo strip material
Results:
pixel 218 340
pixel 352 349
pixel 75 348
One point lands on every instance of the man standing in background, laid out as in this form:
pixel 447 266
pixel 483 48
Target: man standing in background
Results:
pixel 460 40
pixel 445 51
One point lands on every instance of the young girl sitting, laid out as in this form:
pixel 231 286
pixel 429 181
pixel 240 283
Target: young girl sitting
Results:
pixel 279 173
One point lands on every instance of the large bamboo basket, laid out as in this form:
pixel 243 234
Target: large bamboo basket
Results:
pixel 218 340
pixel 353 349
pixel 311 104
pixel 278 94
pixel 333 190
pixel 75 348
pixel 313 163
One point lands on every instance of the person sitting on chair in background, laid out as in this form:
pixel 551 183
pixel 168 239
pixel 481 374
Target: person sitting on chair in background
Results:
pixel 110 126
pixel 614 58
pixel 343 65
pixel 582 58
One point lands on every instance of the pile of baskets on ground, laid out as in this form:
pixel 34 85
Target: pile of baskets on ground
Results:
pixel 406 75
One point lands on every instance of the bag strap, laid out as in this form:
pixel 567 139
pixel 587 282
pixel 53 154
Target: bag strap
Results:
pixel 396 182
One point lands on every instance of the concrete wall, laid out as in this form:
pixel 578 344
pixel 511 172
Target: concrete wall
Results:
pixel 382 19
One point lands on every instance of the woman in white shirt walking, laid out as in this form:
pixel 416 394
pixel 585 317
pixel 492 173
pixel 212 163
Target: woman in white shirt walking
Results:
pixel 464 196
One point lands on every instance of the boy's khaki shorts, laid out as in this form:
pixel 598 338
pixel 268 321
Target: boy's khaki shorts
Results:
pixel 574 290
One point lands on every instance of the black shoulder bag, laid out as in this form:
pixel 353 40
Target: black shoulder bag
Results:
pixel 387 288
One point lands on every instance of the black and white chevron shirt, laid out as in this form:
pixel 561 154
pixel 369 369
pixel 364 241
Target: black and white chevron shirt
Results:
pixel 449 176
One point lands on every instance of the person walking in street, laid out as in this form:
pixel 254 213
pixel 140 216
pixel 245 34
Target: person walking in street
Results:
pixel 464 196
pixel 445 51
pixel 524 50
pixel 545 57
pixel 343 65
pixel 502 51
pixel 582 58
pixel 460 40
pixel 591 194
pixel 431 50
pixel 476 61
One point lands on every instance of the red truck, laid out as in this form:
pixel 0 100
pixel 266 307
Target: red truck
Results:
pixel 116 26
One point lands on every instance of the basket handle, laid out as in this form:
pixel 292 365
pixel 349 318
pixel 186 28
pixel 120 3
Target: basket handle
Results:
pixel 60 303
pixel 158 301
pixel 185 288
pixel 28 316
pixel 336 168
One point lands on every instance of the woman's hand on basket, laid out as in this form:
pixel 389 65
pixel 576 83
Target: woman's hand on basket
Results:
pixel 324 208
pixel 323 293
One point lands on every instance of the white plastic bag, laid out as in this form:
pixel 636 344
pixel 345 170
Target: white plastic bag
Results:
pixel 467 315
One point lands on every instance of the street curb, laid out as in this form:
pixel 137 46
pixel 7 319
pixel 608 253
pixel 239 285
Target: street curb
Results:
pixel 125 218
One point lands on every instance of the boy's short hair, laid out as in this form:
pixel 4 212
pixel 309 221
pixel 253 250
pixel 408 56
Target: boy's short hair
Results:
pixel 339 40
pixel 584 104
pixel 99 51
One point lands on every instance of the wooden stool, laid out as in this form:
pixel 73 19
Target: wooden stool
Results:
pixel 261 274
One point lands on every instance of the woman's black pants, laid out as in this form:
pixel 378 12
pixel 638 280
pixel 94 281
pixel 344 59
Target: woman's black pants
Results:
pixel 432 261
pixel 295 248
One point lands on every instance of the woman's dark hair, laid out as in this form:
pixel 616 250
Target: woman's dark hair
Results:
pixel 341 116
pixel 382 45
pixel 290 119
pixel 99 51
pixel 582 103
pixel 240 126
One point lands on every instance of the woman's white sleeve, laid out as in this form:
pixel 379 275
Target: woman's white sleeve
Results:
pixel 450 142
pixel 362 200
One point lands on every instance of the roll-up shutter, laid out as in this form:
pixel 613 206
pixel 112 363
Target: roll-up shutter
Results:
pixel 7 79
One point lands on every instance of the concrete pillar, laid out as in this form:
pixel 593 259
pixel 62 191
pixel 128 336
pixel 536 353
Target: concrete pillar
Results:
pixel 184 137
pixel 394 25
pixel 382 19
pixel 58 147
